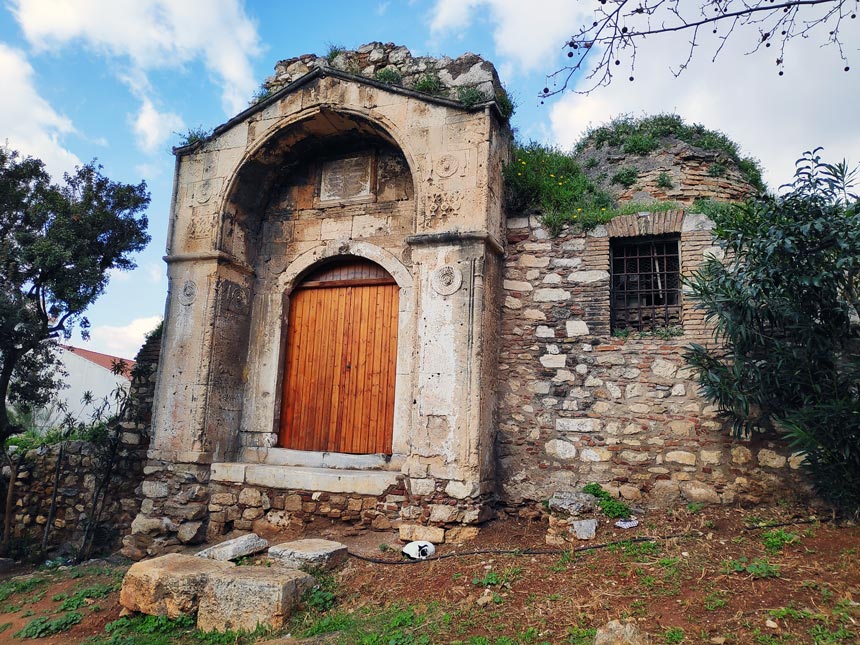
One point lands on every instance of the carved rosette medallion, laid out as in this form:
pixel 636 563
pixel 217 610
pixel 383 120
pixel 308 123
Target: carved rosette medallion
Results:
pixel 188 293
pixel 447 165
pixel 447 279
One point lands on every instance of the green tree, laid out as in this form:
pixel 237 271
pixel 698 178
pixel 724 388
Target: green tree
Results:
pixel 785 306
pixel 57 246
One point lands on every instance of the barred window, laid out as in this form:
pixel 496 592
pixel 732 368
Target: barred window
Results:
pixel 646 283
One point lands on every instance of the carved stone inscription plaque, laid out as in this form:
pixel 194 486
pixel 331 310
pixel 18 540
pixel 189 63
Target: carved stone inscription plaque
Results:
pixel 345 179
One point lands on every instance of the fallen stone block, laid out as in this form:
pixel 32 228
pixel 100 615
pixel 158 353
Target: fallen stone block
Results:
pixel 235 548
pixel 572 503
pixel 169 585
pixel 412 532
pixel 325 554
pixel 584 529
pixel 616 632
pixel 244 597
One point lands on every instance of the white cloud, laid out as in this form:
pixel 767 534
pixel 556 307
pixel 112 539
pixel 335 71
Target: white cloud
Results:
pixel 153 34
pixel 152 128
pixel 123 340
pixel 28 123
pixel 154 272
pixel 525 37
pixel 773 118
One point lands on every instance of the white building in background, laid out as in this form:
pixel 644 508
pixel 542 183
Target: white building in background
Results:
pixel 88 371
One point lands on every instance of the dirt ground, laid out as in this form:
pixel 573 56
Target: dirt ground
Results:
pixel 713 575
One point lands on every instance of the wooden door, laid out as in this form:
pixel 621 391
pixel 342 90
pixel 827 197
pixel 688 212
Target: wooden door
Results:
pixel 341 354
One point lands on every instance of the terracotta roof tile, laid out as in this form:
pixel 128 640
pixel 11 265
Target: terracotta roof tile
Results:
pixel 102 360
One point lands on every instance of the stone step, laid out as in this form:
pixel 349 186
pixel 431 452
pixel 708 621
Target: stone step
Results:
pixel 309 553
pixel 328 480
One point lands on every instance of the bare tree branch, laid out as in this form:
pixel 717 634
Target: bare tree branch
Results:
pixel 620 27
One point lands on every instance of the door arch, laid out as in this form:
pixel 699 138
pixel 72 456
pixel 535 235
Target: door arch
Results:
pixel 340 360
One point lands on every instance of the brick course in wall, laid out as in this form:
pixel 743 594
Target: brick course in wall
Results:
pixel 577 404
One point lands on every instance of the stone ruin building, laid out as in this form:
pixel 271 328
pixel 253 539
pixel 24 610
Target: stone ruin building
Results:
pixel 356 329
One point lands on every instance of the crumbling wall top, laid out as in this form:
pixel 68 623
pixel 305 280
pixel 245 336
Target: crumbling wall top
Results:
pixel 468 78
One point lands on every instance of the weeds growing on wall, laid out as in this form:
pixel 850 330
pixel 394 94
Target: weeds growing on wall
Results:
pixel 546 179
pixel 333 52
pixel 193 135
pixel 625 177
pixel 388 75
pixel 263 92
pixel 430 84
pixel 644 135
pixel 507 104
pixel 470 96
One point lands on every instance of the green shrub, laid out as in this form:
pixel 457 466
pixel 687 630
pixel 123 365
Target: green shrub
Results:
pixel 783 311
pixel 626 177
pixel 388 75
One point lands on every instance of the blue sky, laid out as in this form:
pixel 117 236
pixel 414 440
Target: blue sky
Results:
pixel 114 79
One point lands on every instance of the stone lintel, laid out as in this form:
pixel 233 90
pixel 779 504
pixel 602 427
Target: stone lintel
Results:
pixel 456 238
pixel 219 257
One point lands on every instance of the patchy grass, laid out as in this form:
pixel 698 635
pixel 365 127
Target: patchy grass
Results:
pixel 697 587
pixel 44 626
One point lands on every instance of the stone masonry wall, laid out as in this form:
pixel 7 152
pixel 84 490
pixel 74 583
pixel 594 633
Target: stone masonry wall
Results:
pixel 692 173
pixel 578 405
pixel 35 481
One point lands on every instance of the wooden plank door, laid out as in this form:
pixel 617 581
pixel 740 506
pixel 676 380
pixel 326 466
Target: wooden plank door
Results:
pixel 340 364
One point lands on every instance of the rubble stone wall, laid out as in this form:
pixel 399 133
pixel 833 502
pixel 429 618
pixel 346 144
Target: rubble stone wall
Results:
pixel 34 485
pixel 375 59
pixel 577 404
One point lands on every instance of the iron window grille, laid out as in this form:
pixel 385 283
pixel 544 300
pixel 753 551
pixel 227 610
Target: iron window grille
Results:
pixel 646 283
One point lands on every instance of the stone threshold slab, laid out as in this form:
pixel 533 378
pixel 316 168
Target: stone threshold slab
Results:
pixel 327 480
pixel 311 459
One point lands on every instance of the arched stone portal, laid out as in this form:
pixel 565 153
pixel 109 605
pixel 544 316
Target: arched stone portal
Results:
pixel 332 167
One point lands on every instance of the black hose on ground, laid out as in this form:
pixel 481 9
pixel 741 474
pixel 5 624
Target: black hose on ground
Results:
pixel 588 547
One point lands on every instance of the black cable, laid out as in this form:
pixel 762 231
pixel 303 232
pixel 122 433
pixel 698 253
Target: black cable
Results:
pixel 588 547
